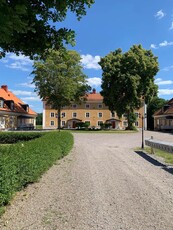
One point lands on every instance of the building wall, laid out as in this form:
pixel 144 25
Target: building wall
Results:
pixel 50 120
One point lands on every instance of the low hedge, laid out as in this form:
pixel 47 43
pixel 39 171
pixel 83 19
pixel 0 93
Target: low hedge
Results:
pixel 14 137
pixel 24 163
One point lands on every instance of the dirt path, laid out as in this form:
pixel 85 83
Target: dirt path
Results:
pixel 102 184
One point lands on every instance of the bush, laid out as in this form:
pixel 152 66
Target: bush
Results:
pixel 14 137
pixel 24 163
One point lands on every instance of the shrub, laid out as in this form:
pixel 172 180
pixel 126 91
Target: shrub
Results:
pixel 14 137
pixel 24 163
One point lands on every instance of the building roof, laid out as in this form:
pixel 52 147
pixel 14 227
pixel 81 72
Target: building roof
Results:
pixel 94 96
pixel 7 95
pixel 167 109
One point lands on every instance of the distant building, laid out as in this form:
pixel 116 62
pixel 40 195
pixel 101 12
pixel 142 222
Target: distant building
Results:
pixel 93 111
pixel 163 118
pixel 15 114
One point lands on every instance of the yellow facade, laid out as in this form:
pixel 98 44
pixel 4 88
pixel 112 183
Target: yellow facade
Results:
pixel 92 111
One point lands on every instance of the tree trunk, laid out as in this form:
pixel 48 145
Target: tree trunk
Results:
pixel 59 118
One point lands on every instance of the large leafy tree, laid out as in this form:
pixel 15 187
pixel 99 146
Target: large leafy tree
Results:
pixel 27 26
pixel 127 78
pixel 154 105
pixel 59 79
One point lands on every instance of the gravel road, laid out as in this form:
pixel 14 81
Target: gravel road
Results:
pixel 102 184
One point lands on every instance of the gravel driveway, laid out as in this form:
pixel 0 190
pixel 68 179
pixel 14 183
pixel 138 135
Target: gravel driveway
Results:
pixel 102 184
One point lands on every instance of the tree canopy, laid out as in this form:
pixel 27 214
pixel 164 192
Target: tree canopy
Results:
pixel 154 105
pixel 127 78
pixel 59 79
pixel 27 26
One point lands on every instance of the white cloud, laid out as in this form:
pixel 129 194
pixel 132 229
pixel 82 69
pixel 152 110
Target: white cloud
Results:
pixel 23 93
pixel 94 81
pixel 90 62
pixel 168 68
pixel 162 44
pixel 165 43
pixel 153 46
pixel 160 14
pixel 19 62
pixel 165 92
pixel 171 27
pixel 27 84
pixel 159 81
pixel 30 99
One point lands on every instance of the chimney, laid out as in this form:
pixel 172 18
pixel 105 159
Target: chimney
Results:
pixel 5 87
pixel 94 91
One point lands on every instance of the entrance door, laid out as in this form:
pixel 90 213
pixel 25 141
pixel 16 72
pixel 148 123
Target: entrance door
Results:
pixel 113 124
pixel 74 124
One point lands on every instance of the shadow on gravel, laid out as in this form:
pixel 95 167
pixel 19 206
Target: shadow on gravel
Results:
pixel 155 162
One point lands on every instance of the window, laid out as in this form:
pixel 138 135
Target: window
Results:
pixel 52 123
pixel 100 123
pixel 100 115
pixel 125 124
pixel 52 114
pixel 100 106
pixel 137 123
pixel 63 123
pixel 74 106
pixel 137 115
pixel 87 106
pixel 1 103
pixel 87 115
pixel 112 114
pixel 125 115
pixel 74 115
pixel 63 115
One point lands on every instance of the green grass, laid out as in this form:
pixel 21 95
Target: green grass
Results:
pixel 39 127
pixel 168 157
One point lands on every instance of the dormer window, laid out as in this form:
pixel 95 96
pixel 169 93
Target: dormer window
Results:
pixel 25 107
pixel 1 102
pixel 10 104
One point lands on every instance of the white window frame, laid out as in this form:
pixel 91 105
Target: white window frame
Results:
pixel 100 113
pixel 63 114
pixel 52 123
pixel 63 123
pixel 112 115
pixel 137 123
pixel 99 122
pixel 74 114
pixel 87 113
pixel 1 103
pixel 52 113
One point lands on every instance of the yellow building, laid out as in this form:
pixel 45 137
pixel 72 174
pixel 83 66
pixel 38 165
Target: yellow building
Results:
pixel 93 110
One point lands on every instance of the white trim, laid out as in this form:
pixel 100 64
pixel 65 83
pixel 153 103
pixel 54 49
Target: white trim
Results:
pixel 73 113
pixel 44 116
pixel 88 113
pixel 100 113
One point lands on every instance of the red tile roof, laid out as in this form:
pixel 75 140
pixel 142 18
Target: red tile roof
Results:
pixel 168 110
pixel 94 96
pixel 7 95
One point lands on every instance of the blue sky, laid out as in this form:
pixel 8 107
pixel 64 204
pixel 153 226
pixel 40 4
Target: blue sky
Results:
pixel 108 25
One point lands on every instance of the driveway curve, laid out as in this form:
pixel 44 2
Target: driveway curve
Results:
pixel 102 184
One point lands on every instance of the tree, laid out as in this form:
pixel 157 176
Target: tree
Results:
pixel 59 79
pixel 39 119
pixel 127 78
pixel 28 27
pixel 155 104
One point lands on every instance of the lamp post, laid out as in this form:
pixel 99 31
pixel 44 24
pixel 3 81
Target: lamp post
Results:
pixel 143 117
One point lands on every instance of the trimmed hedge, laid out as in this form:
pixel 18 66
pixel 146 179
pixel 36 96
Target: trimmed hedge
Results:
pixel 14 137
pixel 24 163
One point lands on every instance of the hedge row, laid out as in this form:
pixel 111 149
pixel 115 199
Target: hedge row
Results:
pixel 14 137
pixel 24 163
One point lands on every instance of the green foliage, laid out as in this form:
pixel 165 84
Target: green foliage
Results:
pixel 152 107
pixel 60 80
pixel 82 125
pixel 127 78
pixel 29 26
pixel 24 163
pixel 39 119
pixel 14 137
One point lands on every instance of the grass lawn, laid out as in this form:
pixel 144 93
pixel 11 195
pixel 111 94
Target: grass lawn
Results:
pixel 168 157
